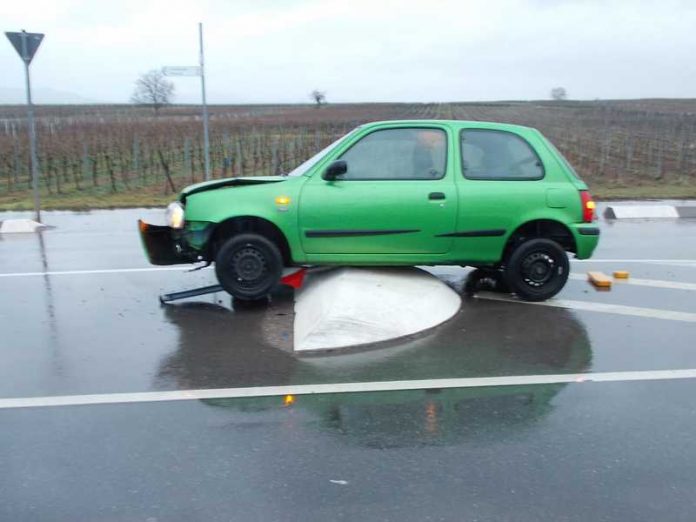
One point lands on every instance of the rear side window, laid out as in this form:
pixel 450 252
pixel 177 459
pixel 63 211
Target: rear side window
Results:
pixel 398 154
pixel 498 155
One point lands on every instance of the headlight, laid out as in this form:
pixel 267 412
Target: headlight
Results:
pixel 175 215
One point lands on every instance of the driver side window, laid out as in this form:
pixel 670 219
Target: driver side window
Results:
pixel 498 155
pixel 398 154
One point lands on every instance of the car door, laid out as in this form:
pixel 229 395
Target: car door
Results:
pixel 395 198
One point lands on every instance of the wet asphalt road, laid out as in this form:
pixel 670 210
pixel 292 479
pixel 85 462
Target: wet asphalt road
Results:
pixel 600 451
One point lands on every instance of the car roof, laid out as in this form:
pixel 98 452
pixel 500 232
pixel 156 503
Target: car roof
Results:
pixel 455 124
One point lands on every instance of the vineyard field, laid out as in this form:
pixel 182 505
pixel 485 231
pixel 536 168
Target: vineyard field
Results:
pixel 100 156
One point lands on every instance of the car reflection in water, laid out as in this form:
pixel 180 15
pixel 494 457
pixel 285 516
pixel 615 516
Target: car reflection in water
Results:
pixel 484 339
pixel 221 347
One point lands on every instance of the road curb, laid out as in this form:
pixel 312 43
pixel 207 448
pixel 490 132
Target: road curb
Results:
pixel 649 212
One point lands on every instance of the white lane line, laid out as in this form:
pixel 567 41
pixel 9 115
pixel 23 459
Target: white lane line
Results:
pixel 634 260
pixel 655 283
pixel 672 262
pixel 637 311
pixel 98 271
pixel 684 262
pixel 346 387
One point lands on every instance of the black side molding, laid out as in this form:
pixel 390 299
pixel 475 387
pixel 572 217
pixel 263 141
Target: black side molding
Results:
pixel 357 233
pixel 589 231
pixel 494 232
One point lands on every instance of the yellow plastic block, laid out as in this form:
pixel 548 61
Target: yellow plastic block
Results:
pixel 599 279
pixel 621 274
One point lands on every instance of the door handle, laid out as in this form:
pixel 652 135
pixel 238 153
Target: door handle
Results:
pixel 436 195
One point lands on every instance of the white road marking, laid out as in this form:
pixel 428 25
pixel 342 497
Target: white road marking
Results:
pixel 188 268
pixel 655 283
pixel 98 271
pixel 637 311
pixel 346 387
pixel 675 262
pixel 684 262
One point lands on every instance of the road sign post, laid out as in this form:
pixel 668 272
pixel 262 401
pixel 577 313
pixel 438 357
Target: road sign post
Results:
pixel 26 45
pixel 199 70
pixel 206 140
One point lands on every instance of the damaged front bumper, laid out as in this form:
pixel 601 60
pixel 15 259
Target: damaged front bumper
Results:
pixel 165 245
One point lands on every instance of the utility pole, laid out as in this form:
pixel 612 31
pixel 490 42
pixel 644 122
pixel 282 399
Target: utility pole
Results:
pixel 26 44
pixel 206 139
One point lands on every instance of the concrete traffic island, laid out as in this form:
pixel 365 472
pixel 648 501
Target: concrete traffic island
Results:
pixel 20 226
pixel 347 307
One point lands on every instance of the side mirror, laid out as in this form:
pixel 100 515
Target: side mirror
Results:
pixel 335 169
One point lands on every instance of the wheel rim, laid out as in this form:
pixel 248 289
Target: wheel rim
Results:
pixel 538 268
pixel 249 267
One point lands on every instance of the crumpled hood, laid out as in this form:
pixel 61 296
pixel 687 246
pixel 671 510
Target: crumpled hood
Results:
pixel 228 182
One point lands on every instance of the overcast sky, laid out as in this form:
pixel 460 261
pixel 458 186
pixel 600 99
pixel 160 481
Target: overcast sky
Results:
pixel 357 50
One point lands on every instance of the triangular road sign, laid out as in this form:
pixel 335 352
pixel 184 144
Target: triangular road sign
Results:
pixel 33 40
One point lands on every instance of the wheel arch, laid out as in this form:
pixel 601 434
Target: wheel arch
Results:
pixel 249 224
pixel 541 228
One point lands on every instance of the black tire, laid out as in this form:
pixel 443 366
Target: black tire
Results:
pixel 537 269
pixel 482 279
pixel 248 266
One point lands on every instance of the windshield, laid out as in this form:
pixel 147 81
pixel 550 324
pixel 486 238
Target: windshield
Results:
pixel 302 169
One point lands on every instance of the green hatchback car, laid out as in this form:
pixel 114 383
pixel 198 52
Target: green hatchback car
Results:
pixel 493 196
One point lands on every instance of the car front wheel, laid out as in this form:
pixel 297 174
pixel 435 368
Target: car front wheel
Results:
pixel 248 266
pixel 537 269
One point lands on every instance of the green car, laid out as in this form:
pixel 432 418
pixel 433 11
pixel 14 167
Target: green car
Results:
pixel 493 196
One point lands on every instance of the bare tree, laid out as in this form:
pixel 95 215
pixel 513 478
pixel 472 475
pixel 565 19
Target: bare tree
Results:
pixel 559 93
pixel 153 89
pixel 318 96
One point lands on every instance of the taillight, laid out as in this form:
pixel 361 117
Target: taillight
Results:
pixel 588 207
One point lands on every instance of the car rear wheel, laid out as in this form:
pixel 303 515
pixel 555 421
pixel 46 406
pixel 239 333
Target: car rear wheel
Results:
pixel 537 269
pixel 248 266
